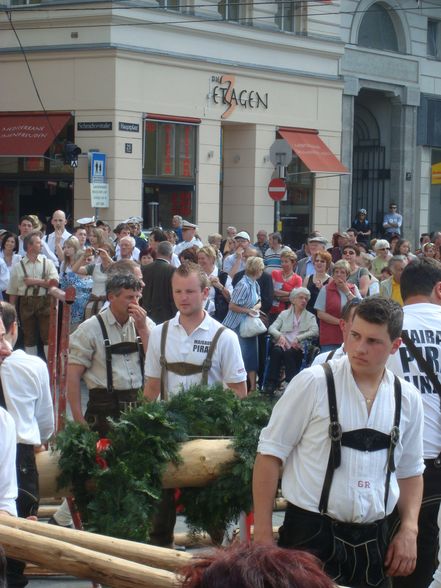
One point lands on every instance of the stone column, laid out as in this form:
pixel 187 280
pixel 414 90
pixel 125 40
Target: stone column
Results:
pixel 351 90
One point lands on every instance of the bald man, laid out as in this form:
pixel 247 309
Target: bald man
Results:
pixel 56 239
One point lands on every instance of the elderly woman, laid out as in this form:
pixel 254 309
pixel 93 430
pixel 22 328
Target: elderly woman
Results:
pixel 382 252
pixel 245 300
pixel 221 288
pixel 291 329
pixel 330 302
pixel 284 281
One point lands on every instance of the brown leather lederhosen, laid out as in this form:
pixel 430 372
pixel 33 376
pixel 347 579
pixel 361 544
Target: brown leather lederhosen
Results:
pixel 32 308
pixel 108 402
pixel 183 368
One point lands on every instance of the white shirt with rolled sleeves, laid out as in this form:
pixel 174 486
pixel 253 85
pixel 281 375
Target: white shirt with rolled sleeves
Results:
pixel 297 434
pixel 8 448
pixel 423 323
pixel 25 381
pixel 227 366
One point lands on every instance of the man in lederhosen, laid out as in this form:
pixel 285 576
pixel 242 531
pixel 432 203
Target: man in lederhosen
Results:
pixel 349 436
pixel 107 351
pixel 191 348
pixel 28 286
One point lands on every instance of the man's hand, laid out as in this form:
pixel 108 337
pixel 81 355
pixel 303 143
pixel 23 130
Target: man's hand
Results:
pixel 139 315
pixel 401 554
pixel 32 281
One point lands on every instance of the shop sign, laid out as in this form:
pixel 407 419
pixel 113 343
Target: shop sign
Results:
pixel 99 195
pixel 94 126
pixel 436 173
pixel 225 92
pixel 128 127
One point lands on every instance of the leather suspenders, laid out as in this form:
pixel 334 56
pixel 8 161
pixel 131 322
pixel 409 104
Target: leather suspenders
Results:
pixel 119 349
pixel 361 439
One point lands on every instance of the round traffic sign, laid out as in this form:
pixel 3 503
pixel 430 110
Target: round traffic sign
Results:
pixel 277 188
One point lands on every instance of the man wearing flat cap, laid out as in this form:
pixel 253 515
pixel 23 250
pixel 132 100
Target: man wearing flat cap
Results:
pixel 189 237
pixel 305 266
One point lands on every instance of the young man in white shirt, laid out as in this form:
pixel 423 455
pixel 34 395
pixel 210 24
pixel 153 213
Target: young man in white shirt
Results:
pixel 421 291
pixel 341 489
pixel 188 339
pixel 56 239
pixel 26 395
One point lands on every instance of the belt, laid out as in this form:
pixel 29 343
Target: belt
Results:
pixel 434 463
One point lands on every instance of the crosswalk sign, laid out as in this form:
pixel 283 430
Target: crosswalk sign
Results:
pixel 97 167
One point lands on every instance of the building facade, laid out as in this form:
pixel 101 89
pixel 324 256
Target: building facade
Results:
pixel 185 101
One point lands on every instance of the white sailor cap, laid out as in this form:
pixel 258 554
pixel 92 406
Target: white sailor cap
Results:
pixel 134 220
pixel 242 235
pixel 188 225
pixel 86 220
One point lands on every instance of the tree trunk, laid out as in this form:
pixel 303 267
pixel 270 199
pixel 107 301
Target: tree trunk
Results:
pixel 202 463
pixel 83 563
pixel 149 555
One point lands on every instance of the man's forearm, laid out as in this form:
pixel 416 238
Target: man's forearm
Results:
pixel 239 388
pixel 265 480
pixel 409 502
pixel 74 396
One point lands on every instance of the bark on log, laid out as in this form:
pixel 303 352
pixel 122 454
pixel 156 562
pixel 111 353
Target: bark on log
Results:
pixel 149 555
pixel 83 563
pixel 202 463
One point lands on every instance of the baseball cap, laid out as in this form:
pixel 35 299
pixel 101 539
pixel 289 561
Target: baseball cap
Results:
pixel 242 235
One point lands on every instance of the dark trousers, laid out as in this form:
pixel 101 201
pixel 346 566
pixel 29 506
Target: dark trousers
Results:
pixel 290 358
pixel 427 541
pixel 352 554
pixel 164 520
pixel 27 505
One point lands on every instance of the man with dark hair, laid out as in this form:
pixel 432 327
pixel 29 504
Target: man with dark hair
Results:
pixel 349 435
pixel 421 291
pixel 28 286
pixel 107 351
pixel 157 295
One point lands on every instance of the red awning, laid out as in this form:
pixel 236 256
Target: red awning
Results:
pixel 308 146
pixel 28 134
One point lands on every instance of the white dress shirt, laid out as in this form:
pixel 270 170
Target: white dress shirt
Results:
pixel 8 478
pixel 50 240
pixel 298 435
pixel 25 381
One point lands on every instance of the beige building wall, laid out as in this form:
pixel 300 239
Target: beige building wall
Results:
pixel 115 85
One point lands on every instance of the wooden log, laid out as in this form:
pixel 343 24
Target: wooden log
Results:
pixel 44 512
pixel 83 563
pixel 150 555
pixel 202 463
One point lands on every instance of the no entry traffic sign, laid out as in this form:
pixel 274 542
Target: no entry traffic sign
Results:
pixel 277 188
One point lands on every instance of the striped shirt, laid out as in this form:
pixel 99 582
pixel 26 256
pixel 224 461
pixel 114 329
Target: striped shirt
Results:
pixel 246 294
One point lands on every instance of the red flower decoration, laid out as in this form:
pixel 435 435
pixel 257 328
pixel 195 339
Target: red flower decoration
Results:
pixel 102 445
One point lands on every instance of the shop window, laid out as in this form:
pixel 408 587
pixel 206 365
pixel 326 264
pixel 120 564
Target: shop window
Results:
pixel 230 10
pixel 289 16
pixel 169 150
pixel 377 30
pixel 433 38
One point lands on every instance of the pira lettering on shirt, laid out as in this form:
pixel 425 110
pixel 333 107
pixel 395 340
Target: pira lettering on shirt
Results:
pixel 201 346
pixel 431 352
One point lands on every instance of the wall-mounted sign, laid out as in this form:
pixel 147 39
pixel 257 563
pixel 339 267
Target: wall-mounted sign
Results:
pixel 99 195
pixel 97 167
pixel 94 126
pixel 226 92
pixel 128 127
pixel 436 173
pixel 128 148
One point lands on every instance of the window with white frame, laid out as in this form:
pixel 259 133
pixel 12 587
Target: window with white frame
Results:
pixel 433 38
pixel 230 10
pixel 290 16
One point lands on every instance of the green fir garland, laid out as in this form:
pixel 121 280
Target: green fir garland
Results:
pixel 117 491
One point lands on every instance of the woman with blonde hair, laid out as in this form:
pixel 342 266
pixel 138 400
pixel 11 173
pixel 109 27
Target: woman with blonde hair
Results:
pixel 245 300
pixel 284 281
